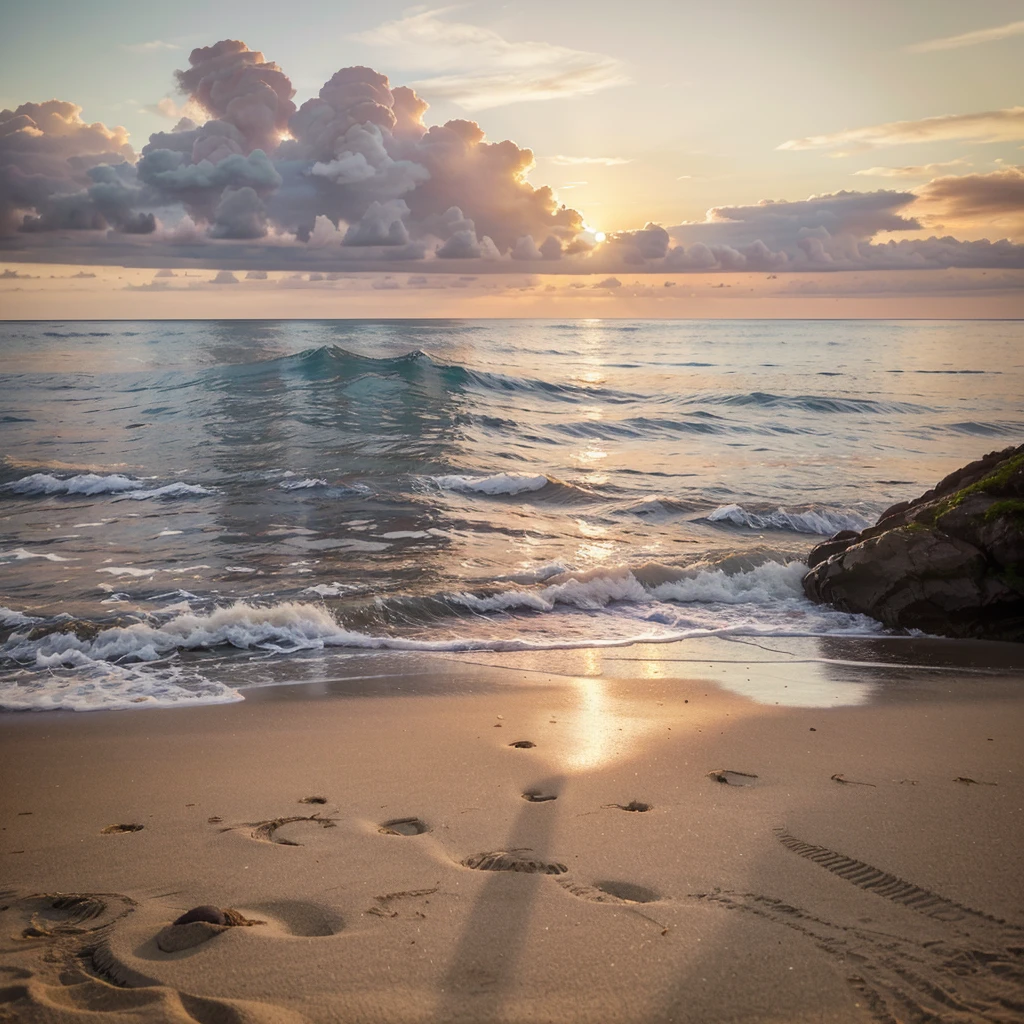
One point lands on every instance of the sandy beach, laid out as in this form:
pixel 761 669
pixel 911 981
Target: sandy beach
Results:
pixel 857 860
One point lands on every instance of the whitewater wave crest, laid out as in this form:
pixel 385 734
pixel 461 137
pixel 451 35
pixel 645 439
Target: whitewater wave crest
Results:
pixel 499 483
pixel 815 521
pixel 92 484
pixel 83 483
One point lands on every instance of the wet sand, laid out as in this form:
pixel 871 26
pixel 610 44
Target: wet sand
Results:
pixel 667 849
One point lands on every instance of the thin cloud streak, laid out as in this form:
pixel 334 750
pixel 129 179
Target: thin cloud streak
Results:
pixel 154 46
pixel 976 38
pixel 918 171
pixel 574 161
pixel 1006 125
pixel 478 68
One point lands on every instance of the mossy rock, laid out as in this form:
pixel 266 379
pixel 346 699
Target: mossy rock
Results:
pixel 950 562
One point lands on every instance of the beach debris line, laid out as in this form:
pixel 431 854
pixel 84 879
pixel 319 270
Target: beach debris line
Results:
pixel 523 744
pixel 313 800
pixel 730 777
pixel 851 782
pixel 973 782
pixel 633 805
pixel 115 830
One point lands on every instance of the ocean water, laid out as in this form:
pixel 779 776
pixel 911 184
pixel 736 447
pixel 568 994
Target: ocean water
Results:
pixel 182 503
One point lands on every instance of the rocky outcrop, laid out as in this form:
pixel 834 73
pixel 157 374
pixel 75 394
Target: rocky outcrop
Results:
pixel 950 562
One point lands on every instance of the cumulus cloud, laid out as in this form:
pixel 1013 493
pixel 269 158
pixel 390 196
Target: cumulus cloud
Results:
pixel 462 242
pixel 353 177
pixel 381 224
pixel 836 232
pixel 354 166
pixel 224 277
pixel 975 38
pixel 46 153
pixel 787 227
pixel 1005 125
pixel 238 86
pixel 239 214
pixel 485 69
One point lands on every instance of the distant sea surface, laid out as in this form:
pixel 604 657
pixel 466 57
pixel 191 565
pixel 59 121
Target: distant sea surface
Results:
pixel 189 508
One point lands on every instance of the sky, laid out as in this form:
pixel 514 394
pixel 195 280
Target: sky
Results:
pixel 736 158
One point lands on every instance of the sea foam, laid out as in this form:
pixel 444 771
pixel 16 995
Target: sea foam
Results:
pixel 102 686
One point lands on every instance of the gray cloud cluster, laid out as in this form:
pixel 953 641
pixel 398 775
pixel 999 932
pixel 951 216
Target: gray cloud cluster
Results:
pixel 46 155
pixel 353 178
pixel 353 167
pixel 834 232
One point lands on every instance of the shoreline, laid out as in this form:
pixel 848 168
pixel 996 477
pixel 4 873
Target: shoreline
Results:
pixel 747 900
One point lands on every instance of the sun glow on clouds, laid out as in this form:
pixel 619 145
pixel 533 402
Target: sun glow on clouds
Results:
pixel 249 182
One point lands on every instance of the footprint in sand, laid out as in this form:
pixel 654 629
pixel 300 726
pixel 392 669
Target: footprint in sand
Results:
pixel 46 915
pixel 294 917
pixel 611 891
pixel 266 831
pixel 512 860
pixel 634 805
pixel 970 965
pixel 403 827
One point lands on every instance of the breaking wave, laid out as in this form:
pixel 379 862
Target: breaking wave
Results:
pixel 815 521
pixel 92 484
pixel 500 483
pixel 108 667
